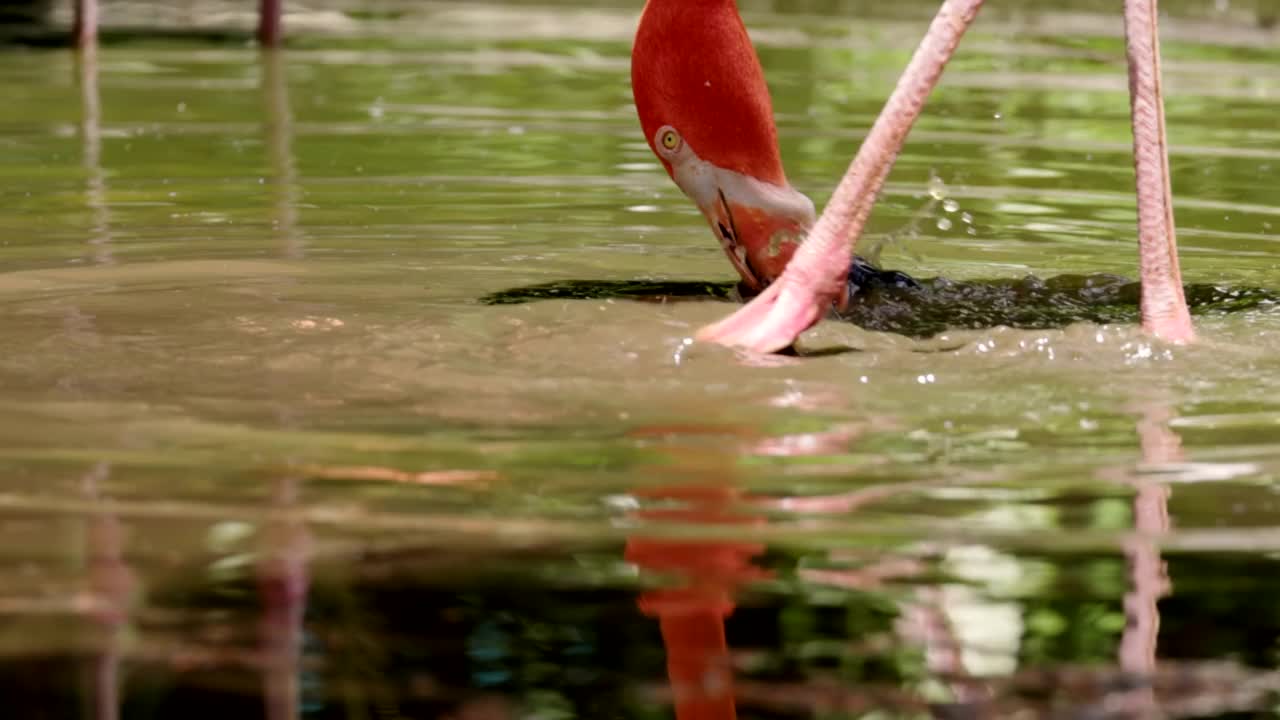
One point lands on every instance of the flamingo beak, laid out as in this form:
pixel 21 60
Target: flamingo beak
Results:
pixel 759 241
pixel 758 224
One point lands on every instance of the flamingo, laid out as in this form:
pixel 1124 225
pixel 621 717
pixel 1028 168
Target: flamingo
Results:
pixel 706 113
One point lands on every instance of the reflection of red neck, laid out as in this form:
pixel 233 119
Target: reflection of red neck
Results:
pixel 692 612
pixel 698 666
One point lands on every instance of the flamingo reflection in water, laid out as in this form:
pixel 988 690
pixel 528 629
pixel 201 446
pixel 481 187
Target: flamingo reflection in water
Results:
pixel 704 577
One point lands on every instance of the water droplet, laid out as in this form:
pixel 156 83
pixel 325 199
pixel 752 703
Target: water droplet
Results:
pixel 966 218
pixel 937 188
pixel 944 223
pixel 998 116
pixel 950 205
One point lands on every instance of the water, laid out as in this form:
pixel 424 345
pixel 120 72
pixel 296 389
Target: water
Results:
pixel 291 425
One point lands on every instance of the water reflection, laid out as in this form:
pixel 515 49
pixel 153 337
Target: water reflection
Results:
pixel 704 576
pixel 690 587
pixel 692 611
pixel 283 583
pixel 86 64
pixel 283 184
pixel 110 581
pixel 111 585
pixel 142 325
pixel 702 579
pixel 1148 580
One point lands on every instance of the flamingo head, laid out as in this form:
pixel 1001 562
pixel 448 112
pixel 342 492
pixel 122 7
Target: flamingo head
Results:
pixel 706 112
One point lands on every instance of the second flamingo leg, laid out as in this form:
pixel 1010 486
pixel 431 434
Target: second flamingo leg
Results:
pixel 1164 306
pixel 270 28
pixel 84 31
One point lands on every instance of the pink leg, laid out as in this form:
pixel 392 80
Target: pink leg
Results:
pixel 816 276
pixel 270 29
pixel 85 29
pixel 1164 308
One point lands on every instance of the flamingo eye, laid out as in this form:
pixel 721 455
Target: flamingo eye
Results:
pixel 669 140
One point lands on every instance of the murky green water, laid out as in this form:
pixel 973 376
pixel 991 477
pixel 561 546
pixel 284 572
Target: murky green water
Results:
pixel 268 447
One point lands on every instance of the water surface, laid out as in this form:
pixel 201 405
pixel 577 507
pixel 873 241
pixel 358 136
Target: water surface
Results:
pixel 270 446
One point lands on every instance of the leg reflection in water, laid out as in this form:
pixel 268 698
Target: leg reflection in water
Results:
pixel 1148 577
pixel 111 585
pixel 282 587
pixel 704 576
pixel 285 192
pixel 87 71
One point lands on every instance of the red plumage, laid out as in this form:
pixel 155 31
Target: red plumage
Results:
pixel 693 68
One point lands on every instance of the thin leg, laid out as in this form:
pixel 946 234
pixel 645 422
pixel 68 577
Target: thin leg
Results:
pixel 815 277
pixel 270 29
pixel 84 31
pixel 1164 307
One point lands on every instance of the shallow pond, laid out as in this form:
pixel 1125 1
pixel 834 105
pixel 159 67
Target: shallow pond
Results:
pixel 353 382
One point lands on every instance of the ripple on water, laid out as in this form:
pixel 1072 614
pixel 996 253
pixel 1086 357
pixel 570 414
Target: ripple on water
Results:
pixel 358 377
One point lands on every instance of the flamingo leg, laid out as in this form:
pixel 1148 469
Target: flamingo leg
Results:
pixel 816 276
pixel 1164 307
pixel 84 30
pixel 270 28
